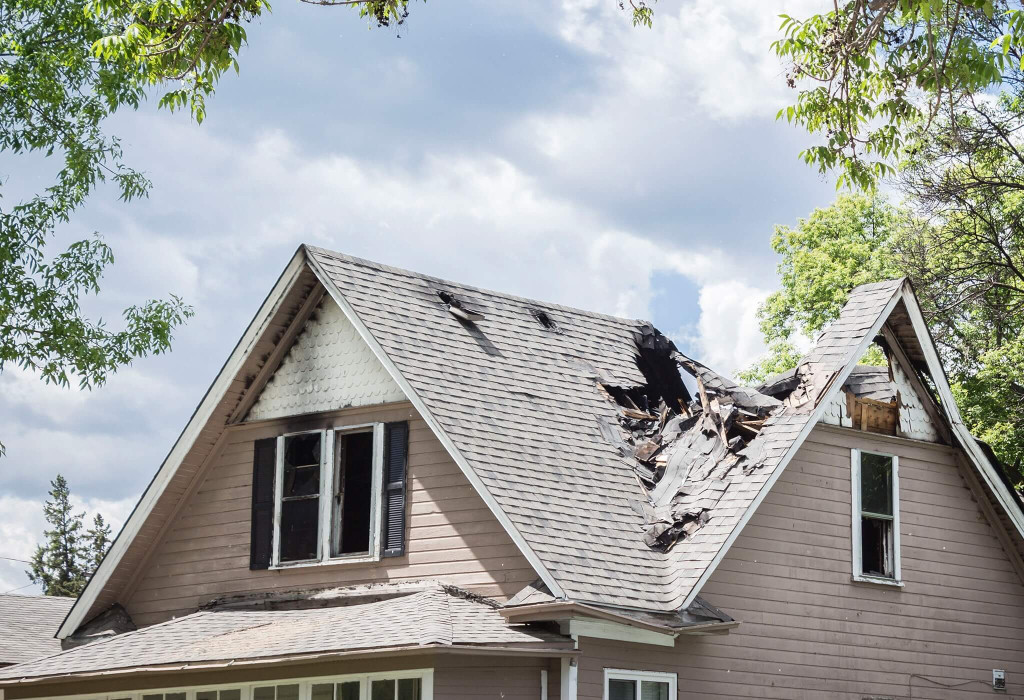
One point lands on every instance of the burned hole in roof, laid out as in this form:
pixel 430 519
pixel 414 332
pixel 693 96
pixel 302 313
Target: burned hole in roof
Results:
pixel 457 308
pixel 544 319
pixel 685 443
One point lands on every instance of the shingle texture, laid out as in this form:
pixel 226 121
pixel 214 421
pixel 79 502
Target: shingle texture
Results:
pixel 521 403
pixel 437 616
pixel 28 624
pixel 327 368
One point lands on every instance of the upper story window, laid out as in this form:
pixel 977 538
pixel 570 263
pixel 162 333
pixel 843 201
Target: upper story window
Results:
pixel 638 685
pixel 329 495
pixel 327 501
pixel 876 517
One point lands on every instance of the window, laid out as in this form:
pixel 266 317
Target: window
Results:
pixel 639 685
pixel 876 517
pixel 327 484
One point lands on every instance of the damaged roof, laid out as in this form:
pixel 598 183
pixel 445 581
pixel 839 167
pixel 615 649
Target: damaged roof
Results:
pixel 538 411
pixel 27 626
pixel 437 617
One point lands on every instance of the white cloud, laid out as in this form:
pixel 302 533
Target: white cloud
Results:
pixel 728 334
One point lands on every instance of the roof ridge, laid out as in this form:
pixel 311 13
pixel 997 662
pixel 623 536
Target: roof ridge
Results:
pixel 482 290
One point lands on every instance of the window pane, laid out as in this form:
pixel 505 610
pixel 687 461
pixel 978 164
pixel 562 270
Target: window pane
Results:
pixel 621 690
pixel 348 691
pixel 875 483
pixel 302 449
pixel 174 696
pixel 301 466
pixel 353 486
pixel 153 697
pixel 288 692
pixel 323 691
pixel 300 528
pixel 233 694
pixel 409 689
pixel 653 690
pixel 876 547
pixel 265 693
pixel 206 695
pixel 382 690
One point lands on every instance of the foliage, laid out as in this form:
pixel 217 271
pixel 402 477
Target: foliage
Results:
pixel 966 280
pixel 67 559
pixel 57 564
pixel 874 74
pixel 97 540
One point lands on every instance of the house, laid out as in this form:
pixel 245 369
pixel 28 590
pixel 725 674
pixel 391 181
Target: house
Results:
pixel 28 624
pixel 399 487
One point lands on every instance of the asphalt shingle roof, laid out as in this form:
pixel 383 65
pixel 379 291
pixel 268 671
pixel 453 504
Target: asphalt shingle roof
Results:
pixel 437 617
pixel 28 624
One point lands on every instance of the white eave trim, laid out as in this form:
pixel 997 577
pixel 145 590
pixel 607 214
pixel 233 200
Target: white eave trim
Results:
pixel 967 441
pixel 442 436
pixel 812 421
pixel 196 424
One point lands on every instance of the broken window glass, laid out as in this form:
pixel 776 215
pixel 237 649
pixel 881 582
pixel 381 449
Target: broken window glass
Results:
pixel 877 520
pixel 353 493
pixel 300 498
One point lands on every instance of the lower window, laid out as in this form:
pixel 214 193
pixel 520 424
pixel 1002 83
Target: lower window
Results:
pixel 638 685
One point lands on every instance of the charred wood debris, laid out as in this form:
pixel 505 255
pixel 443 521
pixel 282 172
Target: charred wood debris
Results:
pixel 686 443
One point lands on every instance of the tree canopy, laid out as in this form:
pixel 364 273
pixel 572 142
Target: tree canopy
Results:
pixel 68 556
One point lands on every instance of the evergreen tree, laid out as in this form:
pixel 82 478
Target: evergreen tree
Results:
pixel 58 564
pixel 97 542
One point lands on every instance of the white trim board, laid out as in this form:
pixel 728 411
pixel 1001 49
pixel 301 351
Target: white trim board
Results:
pixel 442 436
pixel 200 417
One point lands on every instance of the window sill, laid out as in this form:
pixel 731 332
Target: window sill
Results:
pixel 878 581
pixel 328 562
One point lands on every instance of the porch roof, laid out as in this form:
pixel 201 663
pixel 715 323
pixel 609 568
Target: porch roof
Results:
pixel 437 618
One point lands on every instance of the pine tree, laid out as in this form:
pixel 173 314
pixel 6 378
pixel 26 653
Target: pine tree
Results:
pixel 97 542
pixel 58 564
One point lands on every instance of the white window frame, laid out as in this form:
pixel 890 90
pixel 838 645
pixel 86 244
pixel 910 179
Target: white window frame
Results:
pixel 327 470
pixel 426 676
pixel 621 674
pixel 856 513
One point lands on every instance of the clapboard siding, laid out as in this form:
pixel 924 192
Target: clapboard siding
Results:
pixel 204 553
pixel 808 631
pixel 485 678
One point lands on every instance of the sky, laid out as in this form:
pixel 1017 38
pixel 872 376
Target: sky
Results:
pixel 546 149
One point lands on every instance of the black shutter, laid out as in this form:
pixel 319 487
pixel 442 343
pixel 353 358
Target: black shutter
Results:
pixel 396 448
pixel 264 464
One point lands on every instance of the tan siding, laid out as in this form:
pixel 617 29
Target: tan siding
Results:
pixel 486 677
pixel 453 536
pixel 808 631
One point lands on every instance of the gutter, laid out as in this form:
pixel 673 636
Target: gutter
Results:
pixel 274 662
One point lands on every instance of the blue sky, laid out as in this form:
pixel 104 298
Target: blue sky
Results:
pixel 542 148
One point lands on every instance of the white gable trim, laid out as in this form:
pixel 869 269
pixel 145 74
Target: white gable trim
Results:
pixel 143 509
pixel 967 441
pixel 832 391
pixel 428 417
